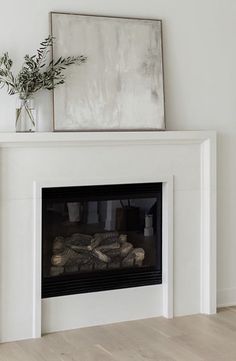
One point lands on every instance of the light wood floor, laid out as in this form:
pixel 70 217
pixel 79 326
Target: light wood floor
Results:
pixel 192 338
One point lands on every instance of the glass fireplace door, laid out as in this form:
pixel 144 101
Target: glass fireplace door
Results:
pixel 101 232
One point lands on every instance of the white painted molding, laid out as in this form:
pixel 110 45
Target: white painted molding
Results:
pixel 208 225
pixel 37 261
pixel 167 248
pixel 167 237
pixel 95 138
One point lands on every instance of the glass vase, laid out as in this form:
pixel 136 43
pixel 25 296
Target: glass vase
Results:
pixel 25 115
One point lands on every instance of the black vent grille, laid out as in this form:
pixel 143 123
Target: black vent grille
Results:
pixel 103 281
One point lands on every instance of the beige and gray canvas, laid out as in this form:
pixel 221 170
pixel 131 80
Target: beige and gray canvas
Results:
pixel 121 85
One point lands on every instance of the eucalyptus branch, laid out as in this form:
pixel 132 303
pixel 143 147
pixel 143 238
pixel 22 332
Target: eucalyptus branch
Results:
pixel 43 51
pixel 36 72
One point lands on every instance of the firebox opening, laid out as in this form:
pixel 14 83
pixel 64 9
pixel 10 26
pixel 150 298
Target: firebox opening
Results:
pixel 97 238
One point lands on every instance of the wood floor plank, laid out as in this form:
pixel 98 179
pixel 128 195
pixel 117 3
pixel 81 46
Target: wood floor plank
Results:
pixel 76 346
pixel 191 338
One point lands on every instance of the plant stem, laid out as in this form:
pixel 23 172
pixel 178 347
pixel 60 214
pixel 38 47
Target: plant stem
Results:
pixel 29 112
pixel 18 112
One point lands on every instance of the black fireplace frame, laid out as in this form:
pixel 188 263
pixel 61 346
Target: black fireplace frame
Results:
pixel 104 280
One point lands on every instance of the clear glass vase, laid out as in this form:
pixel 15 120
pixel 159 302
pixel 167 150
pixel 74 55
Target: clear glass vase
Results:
pixel 25 115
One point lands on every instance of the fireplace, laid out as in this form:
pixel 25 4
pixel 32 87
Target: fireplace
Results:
pixel 97 238
pixel 188 192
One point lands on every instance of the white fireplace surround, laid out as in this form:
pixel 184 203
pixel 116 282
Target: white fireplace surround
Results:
pixel 185 162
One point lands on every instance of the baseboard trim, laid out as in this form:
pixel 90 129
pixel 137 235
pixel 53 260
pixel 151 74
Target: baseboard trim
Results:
pixel 226 297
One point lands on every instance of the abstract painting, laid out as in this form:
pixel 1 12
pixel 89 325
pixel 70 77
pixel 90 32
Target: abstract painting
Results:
pixel 120 87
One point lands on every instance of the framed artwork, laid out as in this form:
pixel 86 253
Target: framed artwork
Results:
pixel 120 87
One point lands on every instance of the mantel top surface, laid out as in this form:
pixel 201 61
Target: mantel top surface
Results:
pixel 13 138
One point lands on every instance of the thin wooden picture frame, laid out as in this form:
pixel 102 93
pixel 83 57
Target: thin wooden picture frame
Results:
pixel 121 87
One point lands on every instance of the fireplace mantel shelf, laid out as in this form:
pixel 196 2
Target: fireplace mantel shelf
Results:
pixel 81 138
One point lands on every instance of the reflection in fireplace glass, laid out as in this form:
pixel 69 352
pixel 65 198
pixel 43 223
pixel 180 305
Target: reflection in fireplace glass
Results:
pixel 102 235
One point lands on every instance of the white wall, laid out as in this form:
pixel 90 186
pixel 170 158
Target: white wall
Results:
pixel 200 78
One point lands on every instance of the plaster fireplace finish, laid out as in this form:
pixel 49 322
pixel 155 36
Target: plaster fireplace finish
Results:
pixel 184 162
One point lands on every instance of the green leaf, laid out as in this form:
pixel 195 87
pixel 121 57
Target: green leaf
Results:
pixel 36 72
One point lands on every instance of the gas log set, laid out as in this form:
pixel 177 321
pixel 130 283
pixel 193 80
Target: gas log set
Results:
pixel 85 253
